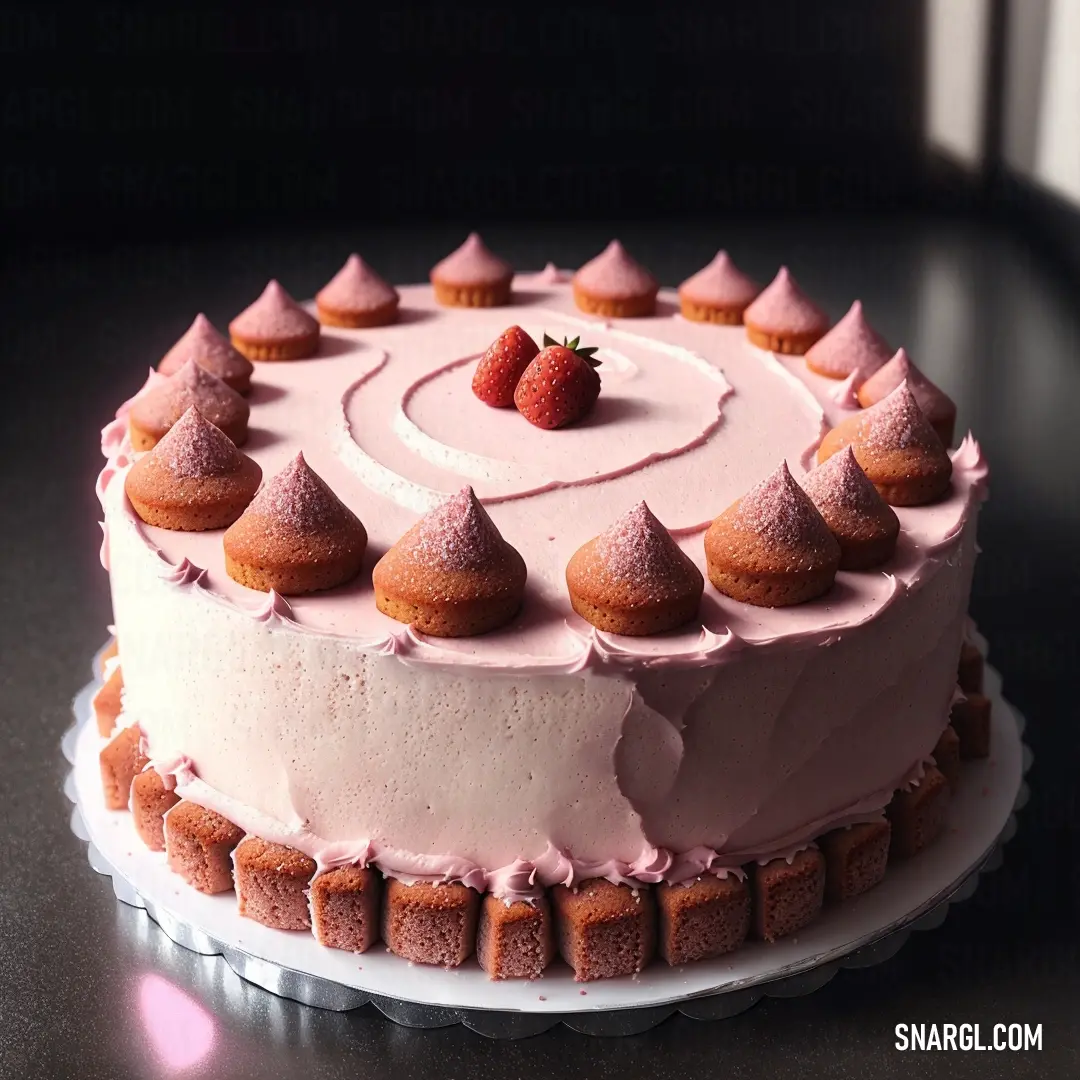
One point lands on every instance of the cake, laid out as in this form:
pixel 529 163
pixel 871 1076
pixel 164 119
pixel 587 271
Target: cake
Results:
pixel 511 719
pixel 614 284
pixel 719 292
pixel 356 297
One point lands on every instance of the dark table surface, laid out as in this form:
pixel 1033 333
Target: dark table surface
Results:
pixel 988 318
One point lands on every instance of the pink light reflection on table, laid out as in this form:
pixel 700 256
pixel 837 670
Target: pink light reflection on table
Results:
pixel 180 1030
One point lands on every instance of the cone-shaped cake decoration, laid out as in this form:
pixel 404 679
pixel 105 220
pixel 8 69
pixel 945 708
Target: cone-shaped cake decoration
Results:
pixel 771 547
pixel 718 293
pixel 935 404
pixel 615 285
pixel 356 297
pixel 865 526
pixel 211 350
pixel 452 574
pixel 472 276
pixel 193 479
pixel 275 327
pixel 897 448
pixel 157 410
pixel 851 346
pixel 634 579
pixel 296 537
pixel 783 318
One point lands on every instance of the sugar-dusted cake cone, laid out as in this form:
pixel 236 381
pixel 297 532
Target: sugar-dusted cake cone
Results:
pixel 615 285
pixel 865 526
pixel 718 293
pixel 852 346
pixel 472 276
pixel 452 574
pixel 296 537
pixel 633 578
pixel 783 318
pixel 193 479
pixel 771 547
pixel 356 297
pixel 155 412
pixel 211 350
pixel 275 327
pixel 897 448
pixel 938 408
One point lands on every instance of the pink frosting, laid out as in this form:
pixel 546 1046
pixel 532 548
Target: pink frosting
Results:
pixel 409 430
pixel 845 393
pixel 551 275
pixel 934 402
pixel 784 307
pixel 852 346
pixel 614 274
pixel 356 287
pixel 193 447
pixel 968 459
pixel 720 283
pixel 115 435
pixel 472 264
pixel 337 716
pixel 204 344
pixel 275 316
pixel 183 573
pixel 274 608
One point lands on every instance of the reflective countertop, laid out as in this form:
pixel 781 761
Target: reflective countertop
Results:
pixel 91 988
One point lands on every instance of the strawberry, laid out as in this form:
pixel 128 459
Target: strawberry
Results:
pixel 559 386
pixel 497 374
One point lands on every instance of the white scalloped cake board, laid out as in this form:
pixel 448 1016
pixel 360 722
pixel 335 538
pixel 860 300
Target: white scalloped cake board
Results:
pixel 978 815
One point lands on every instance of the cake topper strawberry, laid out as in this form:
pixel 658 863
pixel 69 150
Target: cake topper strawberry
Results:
pixel 560 385
pixel 501 367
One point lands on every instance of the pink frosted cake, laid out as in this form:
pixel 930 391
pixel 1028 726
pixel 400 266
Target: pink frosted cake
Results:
pixel 547 786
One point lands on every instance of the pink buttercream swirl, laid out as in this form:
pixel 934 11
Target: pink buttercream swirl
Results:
pixel 275 608
pixel 551 275
pixel 411 867
pixel 345 853
pixel 103 554
pixel 846 394
pixel 516 881
pixel 472 264
pixel 116 464
pixel 185 572
pixel 613 273
pixel 968 458
pixel 174 771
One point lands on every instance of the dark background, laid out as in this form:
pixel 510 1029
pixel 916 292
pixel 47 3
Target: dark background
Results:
pixel 163 120
pixel 157 161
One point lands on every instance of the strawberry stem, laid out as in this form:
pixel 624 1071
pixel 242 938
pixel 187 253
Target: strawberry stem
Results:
pixel 586 353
